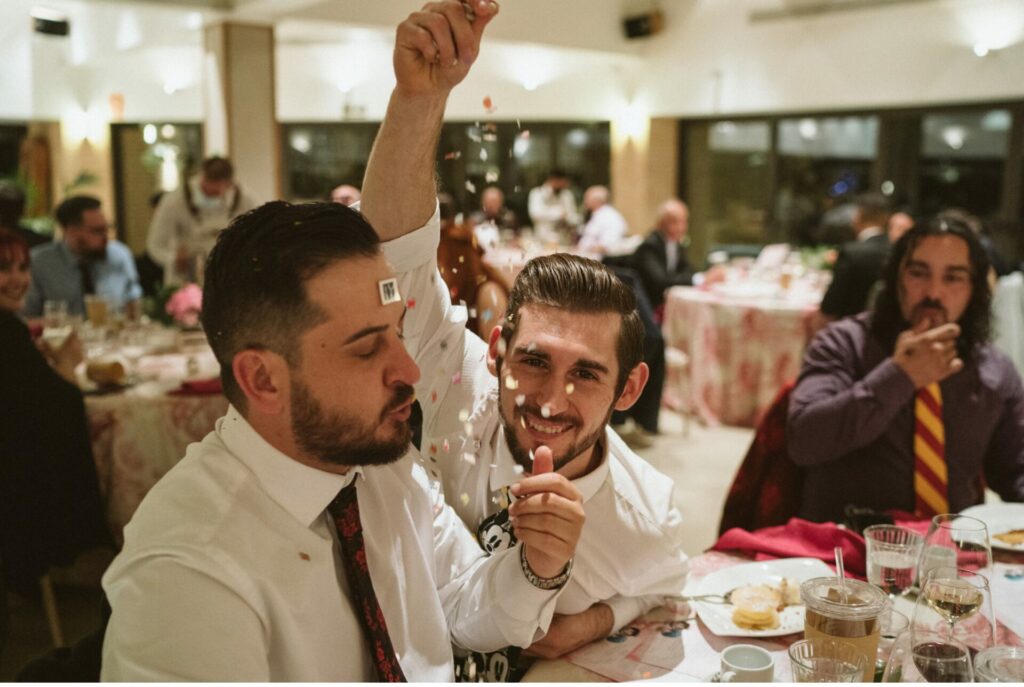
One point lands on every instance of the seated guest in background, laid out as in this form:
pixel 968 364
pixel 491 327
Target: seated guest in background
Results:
pixel 86 262
pixel 859 263
pixel 1000 267
pixel 12 207
pixel 605 227
pixel 493 211
pixel 661 259
pixel 568 352
pixel 346 194
pixel 552 208
pixel 471 281
pixel 295 543
pixel 188 219
pixel 49 494
pixel 909 406
pixel 900 222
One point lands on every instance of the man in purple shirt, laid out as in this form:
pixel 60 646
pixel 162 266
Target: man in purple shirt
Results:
pixel 851 415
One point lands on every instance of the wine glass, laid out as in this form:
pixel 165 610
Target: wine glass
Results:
pixel 926 656
pixel 133 344
pixel 956 541
pixel 892 553
pixel 962 599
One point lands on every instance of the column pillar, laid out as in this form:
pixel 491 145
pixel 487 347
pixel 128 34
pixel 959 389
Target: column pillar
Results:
pixel 239 92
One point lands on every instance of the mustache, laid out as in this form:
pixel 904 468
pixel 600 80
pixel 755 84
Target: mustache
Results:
pixel 403 394
pixel 565 418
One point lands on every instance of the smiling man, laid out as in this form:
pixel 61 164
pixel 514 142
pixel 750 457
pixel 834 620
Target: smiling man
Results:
pixel 910 407
pixel 569 352
pixel 298 541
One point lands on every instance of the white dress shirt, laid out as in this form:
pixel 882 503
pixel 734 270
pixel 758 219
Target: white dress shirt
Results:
pixel 605 230
pixel 551 211
pixel 231 571
pixel 630 552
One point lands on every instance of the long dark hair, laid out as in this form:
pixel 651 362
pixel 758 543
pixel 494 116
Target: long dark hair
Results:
pixel 975 324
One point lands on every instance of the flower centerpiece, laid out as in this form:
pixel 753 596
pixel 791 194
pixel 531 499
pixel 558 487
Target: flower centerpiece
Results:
pixel 177 305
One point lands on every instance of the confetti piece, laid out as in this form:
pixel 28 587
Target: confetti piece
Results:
pixel 433 396
pixel 411 303
pixel 488 103
pixel 646 674
pixel 468 427
pixel 569 388
pixel 465 499
pixel 486 315
pixel 491 177
pixel 532 347
pixel 502 346
pixel 511 382
pixel 455 270
pixel 469 458
pixel 472 312
pixel 445 446
pixel 470 186
pixel 433 449
pixel 454 155
pixel 463 415
pixel 483 155
pixel 303 555
pixel 462 258
pixel 518 469
pixel 457 378
pixel 520 399
pixel 545 411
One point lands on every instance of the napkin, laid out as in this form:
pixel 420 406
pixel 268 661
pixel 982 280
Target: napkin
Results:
pixel 198 386
pixel 799 539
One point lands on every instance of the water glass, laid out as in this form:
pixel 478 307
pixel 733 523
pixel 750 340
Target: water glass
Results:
pixel 57 325
pixel 923 656
pixel 892 554
pixel 826 660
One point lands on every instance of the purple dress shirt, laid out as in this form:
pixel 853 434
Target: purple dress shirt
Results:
pixel 851 426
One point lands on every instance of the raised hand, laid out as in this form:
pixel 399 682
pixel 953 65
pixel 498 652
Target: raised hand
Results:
pixel 928 355
pixel 547 516
pixel 435 47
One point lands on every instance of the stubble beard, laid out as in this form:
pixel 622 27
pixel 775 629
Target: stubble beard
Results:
pixel 522 455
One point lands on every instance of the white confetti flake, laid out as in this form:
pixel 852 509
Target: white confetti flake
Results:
pixel 491 176
pixel 469 458
pixel 463 415
pixel 569 388
pixel 520 399
pixel 518 469
pixel 483 155
pixel 470 186
pixel 502 346
pixel 511 382
pixel 545 411
pixel 465 499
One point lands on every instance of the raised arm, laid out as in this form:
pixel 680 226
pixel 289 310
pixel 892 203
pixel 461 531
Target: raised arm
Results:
pixel 434 49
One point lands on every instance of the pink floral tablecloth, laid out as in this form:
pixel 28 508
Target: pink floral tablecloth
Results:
pixel 741 350
pixel 140 434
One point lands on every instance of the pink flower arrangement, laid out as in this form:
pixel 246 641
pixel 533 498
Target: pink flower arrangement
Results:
pixel 185 305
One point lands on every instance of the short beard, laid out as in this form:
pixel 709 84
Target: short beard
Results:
pixel 339 440
pixel 522 455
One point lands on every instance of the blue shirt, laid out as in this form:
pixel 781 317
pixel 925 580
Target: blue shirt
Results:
pixel 56 277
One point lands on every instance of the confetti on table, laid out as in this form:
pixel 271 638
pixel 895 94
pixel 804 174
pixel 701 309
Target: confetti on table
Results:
pixel 569 388
pixel 545 411
pixel 520 399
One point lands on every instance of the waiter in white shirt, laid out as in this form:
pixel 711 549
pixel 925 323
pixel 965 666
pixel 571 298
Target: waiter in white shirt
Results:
pixel 606 227
pixel 295 543
pixel 552 208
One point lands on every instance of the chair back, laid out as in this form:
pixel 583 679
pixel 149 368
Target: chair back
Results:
pixel 766 489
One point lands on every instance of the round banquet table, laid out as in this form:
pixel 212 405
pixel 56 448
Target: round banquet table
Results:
pixel 742 347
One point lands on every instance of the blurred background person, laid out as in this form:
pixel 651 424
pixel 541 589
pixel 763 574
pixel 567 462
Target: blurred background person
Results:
pixel 86 262
pixel 346 194
pixel 859 263
pixel 605 227
pixel 49 493
pixel 471 281
pixel 553 210
pixel 661 259
pixel 188 219
pixel 494 211
pixel 12 208
pixel 900 222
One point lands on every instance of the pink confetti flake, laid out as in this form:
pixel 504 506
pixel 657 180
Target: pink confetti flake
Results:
pixel 454 155
pixel 433 396
pixel 488 103
pixel 411 303
pixel 457 378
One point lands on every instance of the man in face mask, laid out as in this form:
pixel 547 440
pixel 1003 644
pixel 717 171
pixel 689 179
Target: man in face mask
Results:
pixel 86 262
pixel 187 220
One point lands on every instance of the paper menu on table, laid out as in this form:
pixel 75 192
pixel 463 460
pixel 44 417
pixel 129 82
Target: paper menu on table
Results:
pixel 1008 596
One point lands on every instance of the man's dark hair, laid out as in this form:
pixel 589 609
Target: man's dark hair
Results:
pixel 71 210
pixel 254 294
pixel 975 324
pixel 12 204
pixel 558 173
pixel 874 208
pixel 218 169
pixel 575 284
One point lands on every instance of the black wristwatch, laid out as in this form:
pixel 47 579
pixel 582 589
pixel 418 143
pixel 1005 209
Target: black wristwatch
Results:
pixel 546 583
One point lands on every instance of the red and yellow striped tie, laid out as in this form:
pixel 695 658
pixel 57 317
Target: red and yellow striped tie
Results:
pixel 930 478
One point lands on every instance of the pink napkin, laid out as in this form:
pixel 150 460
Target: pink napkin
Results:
pixel 799 539
pixel 198 387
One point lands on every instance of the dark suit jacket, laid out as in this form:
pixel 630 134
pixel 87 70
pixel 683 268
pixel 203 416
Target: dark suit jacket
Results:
pixel 651 262
pixel 858 266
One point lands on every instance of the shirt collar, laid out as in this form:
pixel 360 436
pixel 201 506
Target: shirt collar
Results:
pixel 869 233
pixel 503 472
pixel 303 491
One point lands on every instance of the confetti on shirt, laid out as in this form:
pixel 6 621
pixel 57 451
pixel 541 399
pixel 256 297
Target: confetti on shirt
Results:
pixel 445 446
pixel 411 303
pixel 433 396
pixel 457 378
pixel 469 458
pixel 465 499
pixel 483 155
pixel 463 415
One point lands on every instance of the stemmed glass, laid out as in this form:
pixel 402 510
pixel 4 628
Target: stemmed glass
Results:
pixel 924 656
pixel 956 541
pixel 892 553
pixel 961 598
pixel 133 343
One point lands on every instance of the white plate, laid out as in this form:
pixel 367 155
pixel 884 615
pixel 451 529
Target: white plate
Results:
pixel 999 518
pixel 718 617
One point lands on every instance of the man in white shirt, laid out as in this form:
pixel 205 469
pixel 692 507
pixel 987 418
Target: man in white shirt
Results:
pixel 569 352
pixel 552 208
pixel 295 543
pixel 187 220
pixel 606 226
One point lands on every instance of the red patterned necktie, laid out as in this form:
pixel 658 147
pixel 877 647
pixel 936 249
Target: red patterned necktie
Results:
pixel 345 511
pixel 930 477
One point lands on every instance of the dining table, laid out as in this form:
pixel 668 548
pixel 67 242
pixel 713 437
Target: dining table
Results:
pixel 743 342
pixel 141 430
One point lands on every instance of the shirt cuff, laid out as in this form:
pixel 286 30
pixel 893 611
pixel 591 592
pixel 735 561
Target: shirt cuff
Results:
pixel 411 250
pixel 626 609
pixel 519 599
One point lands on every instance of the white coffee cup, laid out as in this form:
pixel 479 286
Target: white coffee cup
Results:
pixel 747 663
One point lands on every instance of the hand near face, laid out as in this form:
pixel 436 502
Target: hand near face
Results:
pixel 547 516
pixel 435 47
pixel 926 354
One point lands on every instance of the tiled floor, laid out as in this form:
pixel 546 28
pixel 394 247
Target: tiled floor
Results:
pixel 702 464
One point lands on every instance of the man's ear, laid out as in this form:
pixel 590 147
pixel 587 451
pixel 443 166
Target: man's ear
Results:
pixel 635 384
pixel 493 353
pixel 264 378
